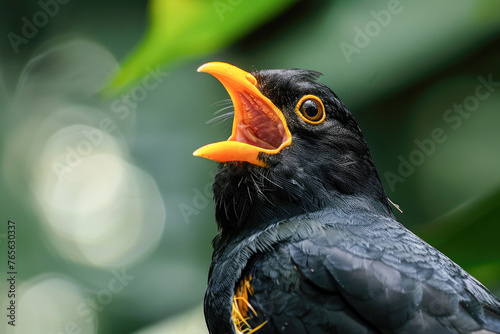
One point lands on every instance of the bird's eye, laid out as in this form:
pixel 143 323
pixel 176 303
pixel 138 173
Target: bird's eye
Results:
pixel 311 109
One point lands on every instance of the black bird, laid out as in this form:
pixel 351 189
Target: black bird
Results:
pixel 307 240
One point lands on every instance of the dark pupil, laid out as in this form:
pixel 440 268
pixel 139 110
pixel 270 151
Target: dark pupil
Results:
pixel 310 109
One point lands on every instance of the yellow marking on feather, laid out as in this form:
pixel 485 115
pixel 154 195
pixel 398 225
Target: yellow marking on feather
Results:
pixel 241 306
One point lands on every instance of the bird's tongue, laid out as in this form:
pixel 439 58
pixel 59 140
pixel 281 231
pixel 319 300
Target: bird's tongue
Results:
pixel 258 125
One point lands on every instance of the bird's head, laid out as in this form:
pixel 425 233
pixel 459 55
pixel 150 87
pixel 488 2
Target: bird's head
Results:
pixel 294 149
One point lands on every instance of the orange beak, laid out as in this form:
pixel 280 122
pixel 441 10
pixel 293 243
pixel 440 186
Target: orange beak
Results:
pixel 258 126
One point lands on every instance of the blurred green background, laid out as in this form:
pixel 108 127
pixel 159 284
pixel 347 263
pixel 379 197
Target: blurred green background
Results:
pixel 101 108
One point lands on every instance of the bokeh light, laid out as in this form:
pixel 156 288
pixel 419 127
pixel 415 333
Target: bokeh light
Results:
pixel 101 184
pixel 53 304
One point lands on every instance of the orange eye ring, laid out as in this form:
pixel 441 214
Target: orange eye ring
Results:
pixel 311 109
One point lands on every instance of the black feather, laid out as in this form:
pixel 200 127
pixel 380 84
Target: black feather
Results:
pixel 316 235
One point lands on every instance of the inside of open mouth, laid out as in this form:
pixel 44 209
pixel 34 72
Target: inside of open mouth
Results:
pixel 258 125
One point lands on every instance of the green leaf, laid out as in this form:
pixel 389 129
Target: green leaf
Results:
pixel 469 235
pixel 189 28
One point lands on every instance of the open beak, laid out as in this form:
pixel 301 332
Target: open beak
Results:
pixel 258 126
